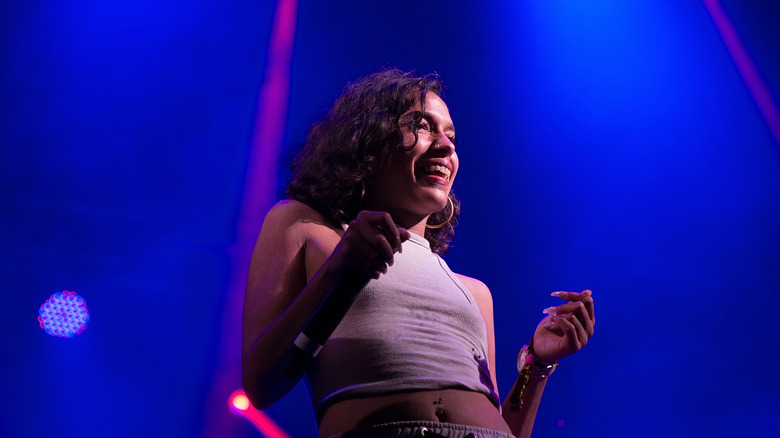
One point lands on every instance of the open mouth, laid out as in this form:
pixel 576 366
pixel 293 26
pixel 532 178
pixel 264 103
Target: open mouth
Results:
pixel 438 171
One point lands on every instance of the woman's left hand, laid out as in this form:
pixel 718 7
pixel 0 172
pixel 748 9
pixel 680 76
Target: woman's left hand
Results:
pixel 566 328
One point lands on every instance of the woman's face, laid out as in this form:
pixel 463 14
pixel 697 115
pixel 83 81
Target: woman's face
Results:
pixel 415 183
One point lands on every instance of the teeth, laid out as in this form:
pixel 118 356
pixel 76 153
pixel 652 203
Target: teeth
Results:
pixel 438 169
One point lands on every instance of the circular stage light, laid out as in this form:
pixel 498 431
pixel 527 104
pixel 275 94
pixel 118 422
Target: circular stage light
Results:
pixel 240 401
pixel 64 314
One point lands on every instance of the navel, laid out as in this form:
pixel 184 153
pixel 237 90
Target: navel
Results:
pixel 441 415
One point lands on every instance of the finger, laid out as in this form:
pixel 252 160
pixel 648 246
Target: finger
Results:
pixel 576 308
pixel 380 224
pixel 570 332
pixel 374 236
pixel 582 334
pixel 404 235
pixel 370 261
pixel 390 231
pixel 588 302
pixel 549 324
pixel 383 247
pixel 583 317
pixel 585 298
pixel 569 307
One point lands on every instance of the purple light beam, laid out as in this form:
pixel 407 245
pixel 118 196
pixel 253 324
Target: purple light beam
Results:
pixel 747 69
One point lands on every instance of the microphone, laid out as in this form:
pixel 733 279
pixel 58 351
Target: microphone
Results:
pixel 324 321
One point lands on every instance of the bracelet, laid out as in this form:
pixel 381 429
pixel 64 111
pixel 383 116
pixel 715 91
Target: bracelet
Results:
pixel 528 365
pixel 516 397
pixel 539 368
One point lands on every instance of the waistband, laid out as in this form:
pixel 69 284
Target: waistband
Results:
pixel 432 429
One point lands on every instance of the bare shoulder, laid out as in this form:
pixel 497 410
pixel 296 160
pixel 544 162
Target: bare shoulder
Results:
pixel 478 289
pixel 295 219
pixel 290 211
pixel 288 229
pixel 293 228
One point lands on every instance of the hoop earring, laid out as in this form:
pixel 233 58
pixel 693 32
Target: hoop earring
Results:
pixel 452 211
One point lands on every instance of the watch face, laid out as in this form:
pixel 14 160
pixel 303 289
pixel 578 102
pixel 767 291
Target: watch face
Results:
pixel 521 357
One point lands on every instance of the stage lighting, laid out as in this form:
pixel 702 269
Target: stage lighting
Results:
pixel 239 403
pixel 64 314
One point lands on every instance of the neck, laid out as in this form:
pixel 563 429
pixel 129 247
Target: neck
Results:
pixel 412 222
pixel 418 228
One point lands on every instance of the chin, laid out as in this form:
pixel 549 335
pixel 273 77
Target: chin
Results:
pixel 440 203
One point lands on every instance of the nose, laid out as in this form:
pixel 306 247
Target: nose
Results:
pixel 444 146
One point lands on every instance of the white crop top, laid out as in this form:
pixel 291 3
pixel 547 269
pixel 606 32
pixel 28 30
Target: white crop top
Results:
pixel 415 328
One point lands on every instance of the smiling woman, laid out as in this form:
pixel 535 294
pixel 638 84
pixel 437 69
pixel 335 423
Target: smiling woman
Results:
pixel 347 147
pixel 414 355
pixel 416 182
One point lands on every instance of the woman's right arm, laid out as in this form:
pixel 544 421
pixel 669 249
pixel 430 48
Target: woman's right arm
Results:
pixel 279 301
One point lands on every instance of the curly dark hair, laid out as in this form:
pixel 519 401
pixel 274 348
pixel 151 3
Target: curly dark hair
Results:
pixel 348 145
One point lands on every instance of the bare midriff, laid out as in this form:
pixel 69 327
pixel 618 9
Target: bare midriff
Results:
pixel 446 405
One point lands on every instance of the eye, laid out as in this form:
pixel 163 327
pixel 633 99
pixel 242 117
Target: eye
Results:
pixel 453 140
pixel 422 125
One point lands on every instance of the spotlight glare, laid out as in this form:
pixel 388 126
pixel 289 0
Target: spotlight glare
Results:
pixel 240 402
pixel 64 314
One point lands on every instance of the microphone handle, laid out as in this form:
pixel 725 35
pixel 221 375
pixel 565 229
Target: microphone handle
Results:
pixel 324 321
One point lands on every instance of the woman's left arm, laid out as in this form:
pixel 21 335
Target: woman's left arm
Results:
pixel 564 331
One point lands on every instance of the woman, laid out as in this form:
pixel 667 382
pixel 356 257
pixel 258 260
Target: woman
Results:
pixel 414 356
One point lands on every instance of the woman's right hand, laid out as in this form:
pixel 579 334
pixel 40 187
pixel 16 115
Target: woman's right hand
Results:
pixel 369 244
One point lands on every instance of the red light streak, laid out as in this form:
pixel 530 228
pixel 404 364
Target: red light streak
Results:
pixel 239 403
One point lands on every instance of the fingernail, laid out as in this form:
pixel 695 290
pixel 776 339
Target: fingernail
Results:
pixel 550 311
pixel 558 294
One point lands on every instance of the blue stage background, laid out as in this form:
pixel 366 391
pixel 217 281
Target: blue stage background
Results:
pixel 608 145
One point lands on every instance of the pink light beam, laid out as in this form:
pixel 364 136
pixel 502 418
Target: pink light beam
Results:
pixel 747 69
pixel 258 196
pixel 239 403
